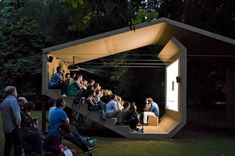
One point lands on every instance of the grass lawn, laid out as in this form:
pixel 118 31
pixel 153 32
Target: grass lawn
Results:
pixel 182 147
pixel 210 146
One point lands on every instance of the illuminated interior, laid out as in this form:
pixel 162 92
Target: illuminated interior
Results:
pixel 173 55
pixel 172 91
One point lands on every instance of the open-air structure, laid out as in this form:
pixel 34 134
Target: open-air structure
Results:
pixel 177 39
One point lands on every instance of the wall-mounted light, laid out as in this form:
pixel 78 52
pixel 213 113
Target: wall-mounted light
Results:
pixel 178 79
pixel 50 59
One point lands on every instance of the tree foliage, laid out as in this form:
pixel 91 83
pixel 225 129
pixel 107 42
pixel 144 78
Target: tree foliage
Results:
pixel 213 15
pixel 27 26
pixel 20 48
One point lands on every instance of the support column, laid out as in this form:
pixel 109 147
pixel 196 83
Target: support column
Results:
pixel 230 98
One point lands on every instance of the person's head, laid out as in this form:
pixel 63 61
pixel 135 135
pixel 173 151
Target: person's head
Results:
pixel 84 82
pixel 113 97
pixel 119 99
pixel 105 92
pixel 67 75
pixel 97 86
pixel 149 100
pixel 100 92
pixel 60 102
pixel 126 105
pixel 59 69
pixel 51 102
pixel 72 75
pixel 22 100
pixel 80 77
pixel 92 93
pixel 29 106
pixel 11 90
pixel 133 107
pixel 75 78
pixel 92 82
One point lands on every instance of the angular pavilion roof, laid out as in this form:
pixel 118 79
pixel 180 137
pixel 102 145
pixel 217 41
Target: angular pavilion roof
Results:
pixel 159 32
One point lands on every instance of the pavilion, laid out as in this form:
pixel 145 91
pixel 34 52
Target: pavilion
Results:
pixel 177 39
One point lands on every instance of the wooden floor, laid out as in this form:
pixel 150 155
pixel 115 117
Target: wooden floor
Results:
pixel 164 127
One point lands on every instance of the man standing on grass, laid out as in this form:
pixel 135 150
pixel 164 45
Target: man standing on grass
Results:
pixel 11 120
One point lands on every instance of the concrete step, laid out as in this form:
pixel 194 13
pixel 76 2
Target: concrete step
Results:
pixel 95 116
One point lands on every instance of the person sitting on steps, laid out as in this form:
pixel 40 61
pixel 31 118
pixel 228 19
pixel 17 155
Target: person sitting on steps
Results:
pixel 112 111
pixel 130 117
pixel 57 79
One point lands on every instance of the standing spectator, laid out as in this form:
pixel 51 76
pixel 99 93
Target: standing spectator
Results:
pixel 11 120
pixel 52 104
pixel 151 109
pixel 22 101
pixel 30 131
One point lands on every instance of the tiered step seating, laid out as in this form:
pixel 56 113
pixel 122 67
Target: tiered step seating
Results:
pixel 150 132
pixel 95 116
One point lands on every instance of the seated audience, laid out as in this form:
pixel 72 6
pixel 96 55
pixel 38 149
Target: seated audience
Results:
pixel 151 109
pixel 85 84
pixel 92 104
pixel 80 81
pixel 90 87
pixel 57 79
pixel 71 134
pixel 130 117
pixel 106 95
pixel 97 86
pixel 69 79
pixel 59 122
pixel 74 89
pixel 101 104
pixel 111 110
pixel 119 103
pixel 84 88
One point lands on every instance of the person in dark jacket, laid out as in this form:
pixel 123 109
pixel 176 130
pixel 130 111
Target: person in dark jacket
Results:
pixel 30 131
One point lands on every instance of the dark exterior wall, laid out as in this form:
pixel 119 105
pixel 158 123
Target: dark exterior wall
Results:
pixel 230 98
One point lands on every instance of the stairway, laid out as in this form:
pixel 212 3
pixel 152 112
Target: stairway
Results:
pixel 150 132
pixel 123 130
